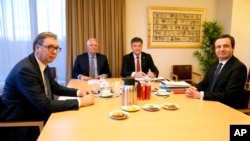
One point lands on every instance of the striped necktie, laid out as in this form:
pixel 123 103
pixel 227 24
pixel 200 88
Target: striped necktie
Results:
pixel 47 85
pixel 216 74
pixel 92 67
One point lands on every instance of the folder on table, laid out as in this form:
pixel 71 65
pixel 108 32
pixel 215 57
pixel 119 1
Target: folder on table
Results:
pixel 176 85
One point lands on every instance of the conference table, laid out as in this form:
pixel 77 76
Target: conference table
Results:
pixel 195 120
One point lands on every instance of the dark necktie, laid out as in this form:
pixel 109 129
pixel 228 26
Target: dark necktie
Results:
pixel 47 85
pixel 138 68
pixel 216 74
pixel 92 67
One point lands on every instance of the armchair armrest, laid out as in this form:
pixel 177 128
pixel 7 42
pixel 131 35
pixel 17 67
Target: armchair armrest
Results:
pixel 40 124
pixel 174 77
pixel 198 75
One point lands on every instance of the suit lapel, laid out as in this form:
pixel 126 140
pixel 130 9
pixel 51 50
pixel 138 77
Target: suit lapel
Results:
pixel 47 73
pixel 36 66
pixel 86 64
pixel 225 68
pixel 143 61
pixel 132 61
pixel 98 63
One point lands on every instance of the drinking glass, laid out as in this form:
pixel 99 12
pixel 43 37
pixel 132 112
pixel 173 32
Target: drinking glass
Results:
pixel 95 87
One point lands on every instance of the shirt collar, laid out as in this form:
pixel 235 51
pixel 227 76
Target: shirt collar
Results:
pixel 90 55
pixel 41 65
pixel 136 55
pixel 224 61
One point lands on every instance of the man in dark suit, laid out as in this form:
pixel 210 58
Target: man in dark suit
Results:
pixel 28 89
pixel 83 64
pixel 228 87
pixel 138 63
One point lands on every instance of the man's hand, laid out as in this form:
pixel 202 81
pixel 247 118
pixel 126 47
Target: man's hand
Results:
pixel 87 100
pixel 83 93
pixel 83 77
pixel 139 74
pixel 192 92
pixel 151 74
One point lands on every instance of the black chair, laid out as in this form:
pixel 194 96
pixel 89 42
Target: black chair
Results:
pixel 53 72
pixel 40 124
pixel 246 110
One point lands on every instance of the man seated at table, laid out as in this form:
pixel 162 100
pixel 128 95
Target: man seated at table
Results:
pixel 138 63
pixel 91 64
pixel 225 79
pixel 29 88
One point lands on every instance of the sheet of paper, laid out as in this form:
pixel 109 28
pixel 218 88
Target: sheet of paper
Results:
pixel 153 79
pixel 176 83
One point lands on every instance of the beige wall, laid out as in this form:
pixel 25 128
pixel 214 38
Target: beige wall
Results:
pixel 240 29
pixel 136 24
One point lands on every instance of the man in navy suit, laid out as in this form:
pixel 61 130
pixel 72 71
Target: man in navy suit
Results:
pixel 228 88
pixel 82 66
pixel 28 89
pixel 138 63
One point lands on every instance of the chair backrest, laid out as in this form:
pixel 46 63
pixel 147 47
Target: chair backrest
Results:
pixel 184 72
pixel 248 76
pixel 53 72
pixel 247 93
pixel 0 102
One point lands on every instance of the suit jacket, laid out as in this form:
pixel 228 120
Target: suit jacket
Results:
pixel 128 64
pixel 229 86
pixel 81 65
pixel 24 97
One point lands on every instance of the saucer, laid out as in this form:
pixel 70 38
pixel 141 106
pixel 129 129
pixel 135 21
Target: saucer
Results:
pixel 131 108
pixel 162 93
pixel 106 95
pixel 118 115
pixel 170 106
pixel 151 107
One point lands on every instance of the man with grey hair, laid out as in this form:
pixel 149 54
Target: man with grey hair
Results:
pixel 91 64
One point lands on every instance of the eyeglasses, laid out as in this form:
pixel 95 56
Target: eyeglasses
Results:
pixel 52 48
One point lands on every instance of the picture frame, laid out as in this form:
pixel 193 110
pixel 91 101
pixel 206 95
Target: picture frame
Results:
pixel 175 27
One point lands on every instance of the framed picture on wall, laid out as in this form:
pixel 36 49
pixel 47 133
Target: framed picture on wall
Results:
pixel 175 27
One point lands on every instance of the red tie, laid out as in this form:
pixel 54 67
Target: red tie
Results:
pixel 138 68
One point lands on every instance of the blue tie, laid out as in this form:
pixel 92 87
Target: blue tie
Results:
pixel 216 74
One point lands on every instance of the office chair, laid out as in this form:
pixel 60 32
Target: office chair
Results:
pixel 53 72
pixel 40 124
pixel 185 73
pixel 246 110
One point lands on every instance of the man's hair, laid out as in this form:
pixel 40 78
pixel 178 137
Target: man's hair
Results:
pixel 136 39
pixel 91 39
pixel 231 38
pixel 39 39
